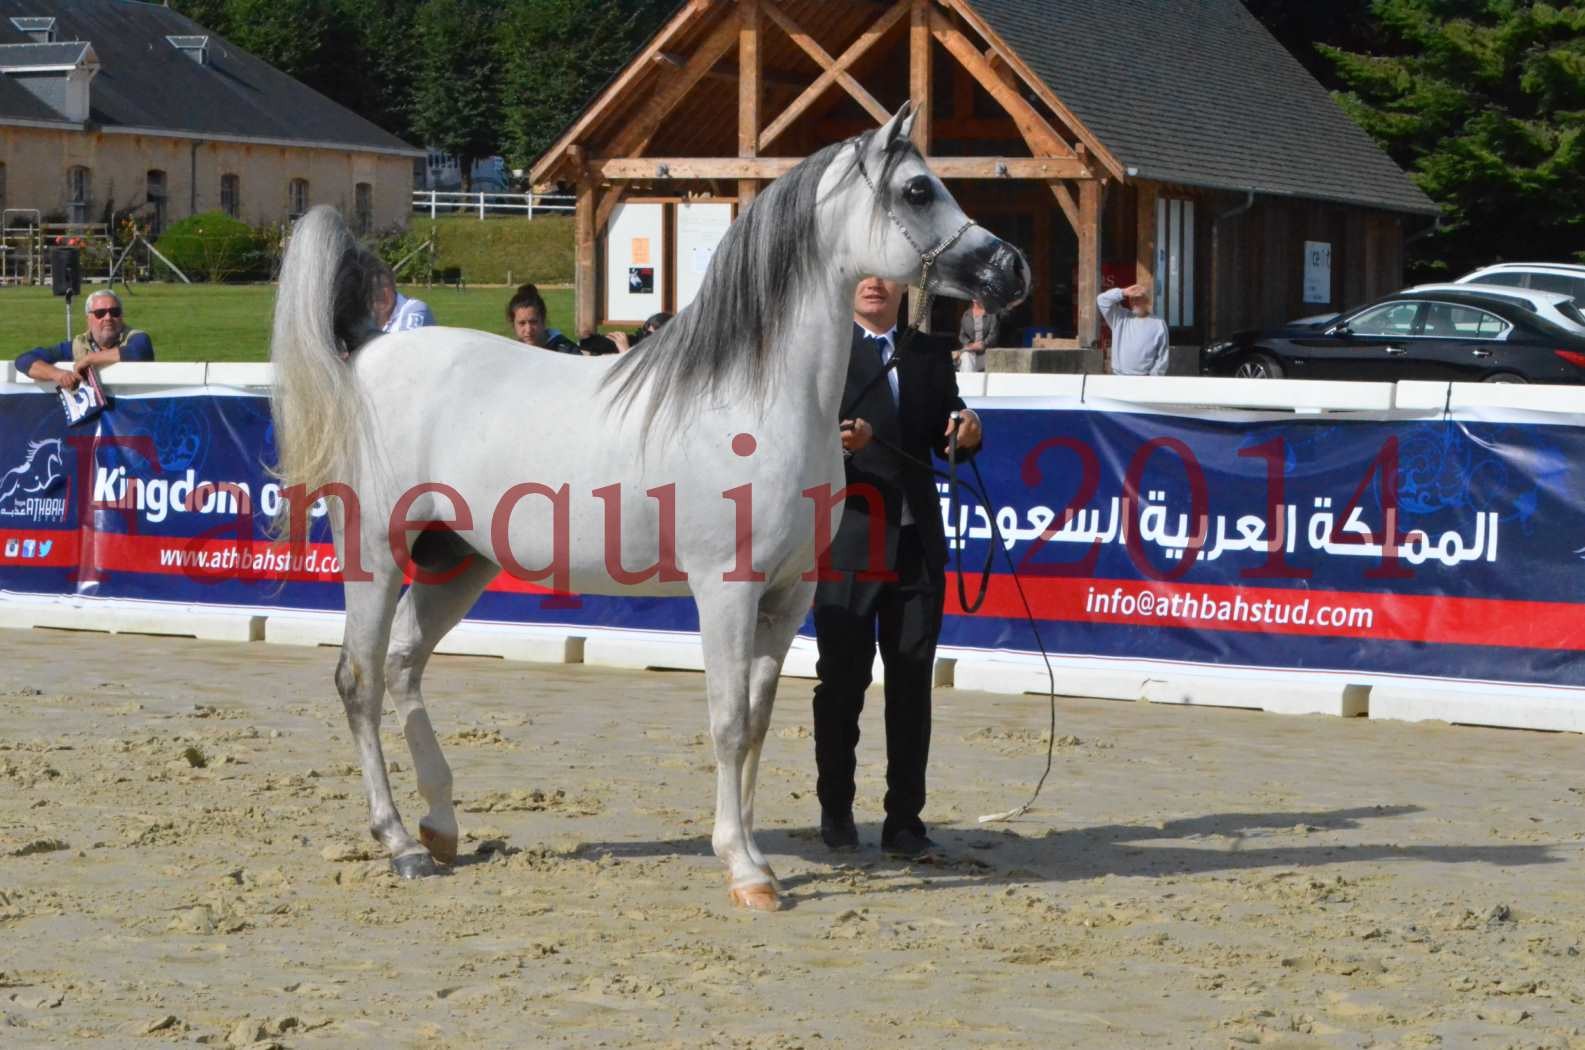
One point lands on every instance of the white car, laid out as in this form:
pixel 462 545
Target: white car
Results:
pixel 1556 307
pixel 1568 278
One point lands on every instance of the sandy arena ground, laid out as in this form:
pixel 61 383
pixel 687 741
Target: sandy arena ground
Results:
pixel 1192 877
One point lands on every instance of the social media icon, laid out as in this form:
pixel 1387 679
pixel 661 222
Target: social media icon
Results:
pixel 29 546
pixel 12 547
pixel 45 546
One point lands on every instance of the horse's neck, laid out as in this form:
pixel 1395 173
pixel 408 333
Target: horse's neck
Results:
pixel 814 359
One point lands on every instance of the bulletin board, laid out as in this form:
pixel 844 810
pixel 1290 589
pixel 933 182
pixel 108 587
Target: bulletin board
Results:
pixel 635 253
pixel 700 227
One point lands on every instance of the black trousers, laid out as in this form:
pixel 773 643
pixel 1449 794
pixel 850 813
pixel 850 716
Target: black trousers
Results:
pixel 904 619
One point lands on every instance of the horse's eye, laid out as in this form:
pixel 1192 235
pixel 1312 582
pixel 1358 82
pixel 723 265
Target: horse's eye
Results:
pixel 918 192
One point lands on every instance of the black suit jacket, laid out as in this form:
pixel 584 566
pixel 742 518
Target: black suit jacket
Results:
pixel 916 423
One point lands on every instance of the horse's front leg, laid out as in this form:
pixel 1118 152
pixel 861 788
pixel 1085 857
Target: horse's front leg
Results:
pixel 727 626
pixel 780 616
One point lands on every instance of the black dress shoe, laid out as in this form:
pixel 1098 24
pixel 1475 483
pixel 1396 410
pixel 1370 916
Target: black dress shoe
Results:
pixel 839 833
pixel 913 845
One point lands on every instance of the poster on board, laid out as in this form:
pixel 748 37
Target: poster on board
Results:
pixel 1318 272
pixel 636 281
pixel 700 227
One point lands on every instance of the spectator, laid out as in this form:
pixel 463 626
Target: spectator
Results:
pixel 1139 341
pixel 980 330
pixel 393 311
pixel 530 323
pixel 625 342
pixel 106 341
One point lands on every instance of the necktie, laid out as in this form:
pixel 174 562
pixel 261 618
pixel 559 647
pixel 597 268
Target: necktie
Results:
pixel 883 352
pixel 878 345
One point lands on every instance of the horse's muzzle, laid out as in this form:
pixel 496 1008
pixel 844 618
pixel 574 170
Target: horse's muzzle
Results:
pixel 1001 279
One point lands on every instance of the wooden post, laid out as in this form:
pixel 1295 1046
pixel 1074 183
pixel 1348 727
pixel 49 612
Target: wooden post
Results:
pixel 919 73
pixel 1145 235
pixel 1089 261
pixel 750 92
pixel 586 280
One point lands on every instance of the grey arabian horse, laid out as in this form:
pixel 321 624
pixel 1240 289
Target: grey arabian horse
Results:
pixel 712 449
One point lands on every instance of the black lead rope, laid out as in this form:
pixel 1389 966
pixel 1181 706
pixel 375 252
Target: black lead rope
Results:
pixel 979 491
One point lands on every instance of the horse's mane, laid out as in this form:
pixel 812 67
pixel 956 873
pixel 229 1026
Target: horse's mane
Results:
pixel 768 258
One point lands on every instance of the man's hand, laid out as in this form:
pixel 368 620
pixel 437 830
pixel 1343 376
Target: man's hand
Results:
pixel 623 345
pixel 1134 291
pixel 969 433
pixel 68 378
pixel 856 433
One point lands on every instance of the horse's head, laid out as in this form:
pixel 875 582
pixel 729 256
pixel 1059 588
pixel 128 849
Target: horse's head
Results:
pixel 913 230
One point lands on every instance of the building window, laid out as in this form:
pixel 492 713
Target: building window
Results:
pixel 1175 261
pixel 156 195
pixel 79 185
pixel 231 195
pixel 363 207
pixel 2 190
pixel 297 197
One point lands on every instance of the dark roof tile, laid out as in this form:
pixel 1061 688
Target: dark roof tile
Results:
pixel 1197 92
pixel 145 82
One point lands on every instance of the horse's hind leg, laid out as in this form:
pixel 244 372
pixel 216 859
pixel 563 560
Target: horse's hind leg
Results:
pixel 360 678
pixel 780 616
pixel 727 625
pixel 423 616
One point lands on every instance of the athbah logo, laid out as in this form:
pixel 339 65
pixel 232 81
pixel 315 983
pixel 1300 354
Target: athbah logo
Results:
pixel 23 488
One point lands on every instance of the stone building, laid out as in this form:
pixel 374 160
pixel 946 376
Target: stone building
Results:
pixel 110 107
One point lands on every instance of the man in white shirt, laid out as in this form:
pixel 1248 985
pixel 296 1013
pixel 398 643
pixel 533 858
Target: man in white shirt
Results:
pixel 1139 341
pixel 395 312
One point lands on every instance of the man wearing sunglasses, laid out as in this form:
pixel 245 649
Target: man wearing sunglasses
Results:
pixel 106 341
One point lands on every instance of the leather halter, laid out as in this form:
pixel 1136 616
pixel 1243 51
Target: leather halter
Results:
pixel 927 256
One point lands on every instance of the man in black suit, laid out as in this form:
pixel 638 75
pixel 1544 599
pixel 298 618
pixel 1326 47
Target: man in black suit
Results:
pixel 914 406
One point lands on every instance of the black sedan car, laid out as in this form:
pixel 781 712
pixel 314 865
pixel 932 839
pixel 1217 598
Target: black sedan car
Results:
pixel 1457 336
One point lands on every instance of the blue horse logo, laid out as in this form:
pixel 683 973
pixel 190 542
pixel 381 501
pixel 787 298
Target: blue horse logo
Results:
pixel 39 472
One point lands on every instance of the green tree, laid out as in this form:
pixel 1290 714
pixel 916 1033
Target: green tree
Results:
pixel 375 76
pixel 1483 101
pixel 288 34
pixel 1302 25
pixel 555 55
pixel 211 14
pixel 456 81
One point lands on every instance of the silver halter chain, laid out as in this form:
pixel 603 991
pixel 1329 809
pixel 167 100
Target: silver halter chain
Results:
pixel 927 257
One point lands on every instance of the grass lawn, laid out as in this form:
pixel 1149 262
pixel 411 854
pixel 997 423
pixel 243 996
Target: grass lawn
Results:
pixel 503 250
pixel 231 322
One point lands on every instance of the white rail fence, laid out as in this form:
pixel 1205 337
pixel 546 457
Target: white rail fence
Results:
pixel 441 202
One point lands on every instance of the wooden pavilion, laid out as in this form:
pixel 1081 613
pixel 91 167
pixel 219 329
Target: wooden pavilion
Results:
pixel 1165 141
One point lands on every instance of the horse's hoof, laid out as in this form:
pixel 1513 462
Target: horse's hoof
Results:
pixel 442 847
pixel 415 866
pixel 757 896
pixel 763 870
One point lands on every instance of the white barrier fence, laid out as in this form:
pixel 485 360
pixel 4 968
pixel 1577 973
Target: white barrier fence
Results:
pixel 1338 693
pixel 437 202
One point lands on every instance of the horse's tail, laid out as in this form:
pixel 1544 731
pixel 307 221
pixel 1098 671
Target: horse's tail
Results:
pixel 322 313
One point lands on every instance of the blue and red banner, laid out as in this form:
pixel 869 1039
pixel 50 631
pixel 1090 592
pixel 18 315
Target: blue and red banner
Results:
pixel 1446 548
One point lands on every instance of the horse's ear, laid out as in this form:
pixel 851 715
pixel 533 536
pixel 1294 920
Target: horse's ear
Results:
pixel 901 125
